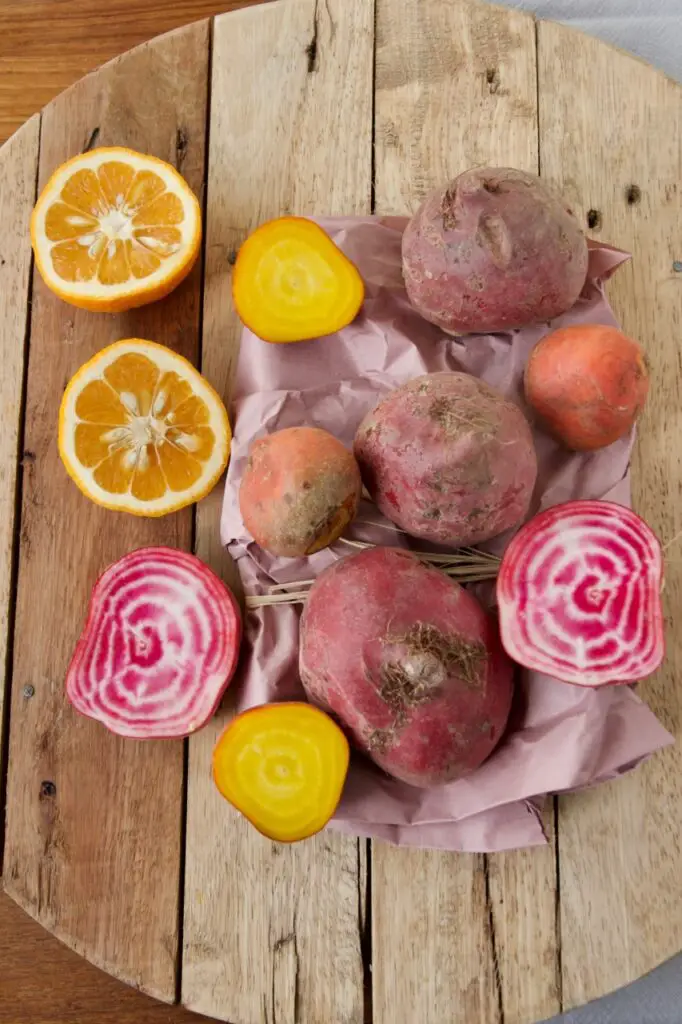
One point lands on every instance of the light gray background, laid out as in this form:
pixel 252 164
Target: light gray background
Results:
pixel 653 31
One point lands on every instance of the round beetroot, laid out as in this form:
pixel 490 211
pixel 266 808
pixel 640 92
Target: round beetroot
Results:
pixel 410 664
pixel 448 458
pixel 299 491
pixel 588 384
pixel 493 251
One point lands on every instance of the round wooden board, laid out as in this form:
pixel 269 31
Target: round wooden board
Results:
pixel 124 850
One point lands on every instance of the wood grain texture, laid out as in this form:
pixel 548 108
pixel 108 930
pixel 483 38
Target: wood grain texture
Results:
pixel 43 982
pixel 93 839
pixel 620 845
pixel 273 933
pixel 456 937
pixel 48 45
pixel 522 894
pixel 18 174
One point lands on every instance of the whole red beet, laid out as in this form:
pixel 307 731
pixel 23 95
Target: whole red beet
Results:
pixel 493 251
pixel 410 664
pixel 448 458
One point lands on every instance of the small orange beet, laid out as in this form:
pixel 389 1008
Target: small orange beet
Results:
pixel 291 282
pixel 299 491
pixel 588 384
pixel 284 767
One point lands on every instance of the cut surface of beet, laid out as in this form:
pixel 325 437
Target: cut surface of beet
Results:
pixel 159 647
pixel 579 595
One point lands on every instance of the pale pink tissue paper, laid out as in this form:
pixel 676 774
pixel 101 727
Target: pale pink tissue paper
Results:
pixel 560 737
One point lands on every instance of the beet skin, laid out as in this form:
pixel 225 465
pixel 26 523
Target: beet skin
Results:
pixel 448 458
pixel 493 251
pixel 408 662
pixel 299 491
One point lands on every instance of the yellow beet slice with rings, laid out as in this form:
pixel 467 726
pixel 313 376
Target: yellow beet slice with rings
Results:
pixel 283 766
pixel 292 283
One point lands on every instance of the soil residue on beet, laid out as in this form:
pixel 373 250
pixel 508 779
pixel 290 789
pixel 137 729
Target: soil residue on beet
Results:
pixel 456 418
pixel 428 658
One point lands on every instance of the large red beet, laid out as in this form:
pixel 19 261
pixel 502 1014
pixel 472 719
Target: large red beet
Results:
pixel 409 662
pixel 448 458
pixel 493 251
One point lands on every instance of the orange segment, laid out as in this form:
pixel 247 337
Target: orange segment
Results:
pixel 113 267
pixel 191 413
pixel 180 469
pixel 172 392
pixel 72 261
pixel 146 187
pixel 134 377
pixel 119 435
pixel 166 209
pixel 198 442
pixel 148 483
pixel 82 191
pixel 141 261
pixel 115 179
pixel 92 444
pixel 114 475
pixel 99 403
pixel 65 222
pixel 161 241
pixel 114 229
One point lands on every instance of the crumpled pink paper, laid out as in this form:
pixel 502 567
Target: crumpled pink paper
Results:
pixel 560 737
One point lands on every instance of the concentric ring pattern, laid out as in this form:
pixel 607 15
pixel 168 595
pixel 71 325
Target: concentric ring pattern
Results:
pixel 159 647
pixel 579 595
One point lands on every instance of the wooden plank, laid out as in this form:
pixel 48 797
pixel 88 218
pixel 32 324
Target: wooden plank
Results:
pixel 47 46
pixel 621 845
pixel 523 907
pixel 18 173
pixel 457 937
pixel 43 982
pixel 274 933
pixel 94 822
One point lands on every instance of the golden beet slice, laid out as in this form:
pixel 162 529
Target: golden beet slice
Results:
pixel 292 283
pixel 284 767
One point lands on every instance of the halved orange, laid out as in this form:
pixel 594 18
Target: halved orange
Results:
pixel 114 229
pixel 141 431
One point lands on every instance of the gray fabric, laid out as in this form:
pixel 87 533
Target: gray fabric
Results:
pixel 650 28
pixel 654 999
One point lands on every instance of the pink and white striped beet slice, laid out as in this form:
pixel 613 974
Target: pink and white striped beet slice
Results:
pixel 159 648
pixel 579 595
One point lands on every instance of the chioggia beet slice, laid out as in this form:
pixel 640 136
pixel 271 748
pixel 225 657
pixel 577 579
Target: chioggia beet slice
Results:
pixel 579 595
pixel 159 647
